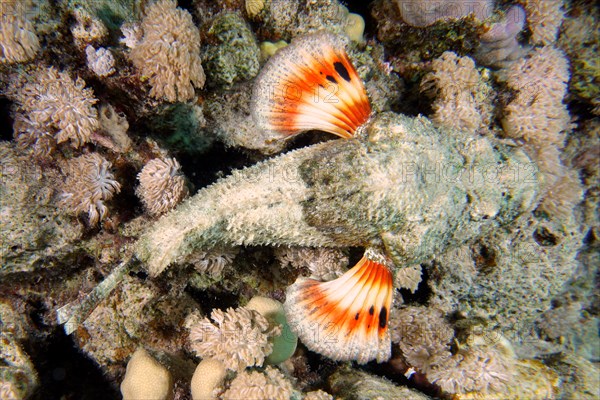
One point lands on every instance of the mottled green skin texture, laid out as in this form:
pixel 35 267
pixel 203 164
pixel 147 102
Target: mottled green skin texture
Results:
pixel 232 53
pixel 351 384
pixel 402 184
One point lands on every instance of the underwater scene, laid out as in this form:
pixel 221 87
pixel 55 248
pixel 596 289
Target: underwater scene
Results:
pixel 299 199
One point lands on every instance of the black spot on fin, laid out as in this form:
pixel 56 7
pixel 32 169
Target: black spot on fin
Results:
pixel 382 318
pixel 340 69
pixel 331 79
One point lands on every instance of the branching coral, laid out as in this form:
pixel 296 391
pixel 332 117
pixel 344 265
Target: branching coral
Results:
pixel 463 98
pixel 238 338
pixel 88 185
pixel 168 54
pixel 54 109
pixel 255 385
pixel 162 185
pixel 18 41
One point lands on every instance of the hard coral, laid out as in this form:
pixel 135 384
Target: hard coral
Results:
pixel 18 41
pixel 238 338
pixel 463 98
pixel 53 109
pixel 162 185
pixel 254 385
pixel 169 52
pixel 89 184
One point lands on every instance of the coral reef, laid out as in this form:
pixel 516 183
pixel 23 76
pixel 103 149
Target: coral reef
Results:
pixel 463 97
pixel 89 183
pixel 352 384
pixel 537 114
pixel 323 264
pixel 238 338
pixel 168 55
pixel 580 39
pixel 162 185
pixel 234 56
pixel 499 46
pixel 146 378
pixel 18 40
pixel 18 377
pixel 35 234
pixel 100 61
pixel 421 13
pixel 544 18
pixel 53 109
pixel 486 215
pixel 87 29
pixel 255 385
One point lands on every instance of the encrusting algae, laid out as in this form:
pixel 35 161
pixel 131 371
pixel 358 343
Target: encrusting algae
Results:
pixel 255 198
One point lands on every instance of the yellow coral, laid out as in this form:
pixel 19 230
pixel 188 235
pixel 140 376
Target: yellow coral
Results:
pixel 254 7
pixel 169 52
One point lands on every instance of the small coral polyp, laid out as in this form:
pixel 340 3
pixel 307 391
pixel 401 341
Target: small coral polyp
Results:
pixel 88 185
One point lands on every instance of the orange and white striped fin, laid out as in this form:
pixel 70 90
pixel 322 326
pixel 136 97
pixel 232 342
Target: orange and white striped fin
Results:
pixel 310 84
pixel 347 318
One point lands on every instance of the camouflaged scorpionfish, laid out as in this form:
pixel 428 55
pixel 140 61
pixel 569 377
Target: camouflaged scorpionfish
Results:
pixel 397 186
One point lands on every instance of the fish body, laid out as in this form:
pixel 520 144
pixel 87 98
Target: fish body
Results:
pixel 395 185
pixel 404 185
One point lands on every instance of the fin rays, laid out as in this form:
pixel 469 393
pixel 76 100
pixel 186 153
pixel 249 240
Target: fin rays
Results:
pixel 311 84
pixel 344 319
